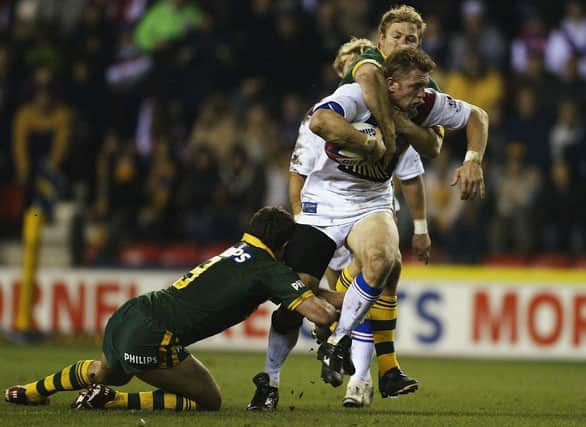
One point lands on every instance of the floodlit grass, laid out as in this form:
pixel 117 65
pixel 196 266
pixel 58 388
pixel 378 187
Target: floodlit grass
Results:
pixel 453 392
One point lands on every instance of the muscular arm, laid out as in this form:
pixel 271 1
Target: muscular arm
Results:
pixel 426 141
pixel 477 130
pixel 470 174
pixel 295 185
pixel 317 310
pixel 414 192
pixel 374 90
pixel 334 128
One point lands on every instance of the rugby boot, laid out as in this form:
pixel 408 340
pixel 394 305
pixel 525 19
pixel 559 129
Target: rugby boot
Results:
pixel 17 395
pixel 394 382
pixel 95 397
pixel 265 397
pixel 336 361
pixel 358 394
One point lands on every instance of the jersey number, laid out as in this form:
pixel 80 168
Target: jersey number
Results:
pixel 187 278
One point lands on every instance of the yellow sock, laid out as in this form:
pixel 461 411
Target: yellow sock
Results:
pixel 383 318
pixel 151 401
pixel 344 280
pixel 73 377
pixel 342 284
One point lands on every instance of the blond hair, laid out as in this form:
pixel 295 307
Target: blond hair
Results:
pixel 348 52
pixel 402 13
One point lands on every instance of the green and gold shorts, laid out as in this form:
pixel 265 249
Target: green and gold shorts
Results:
pixel 134 343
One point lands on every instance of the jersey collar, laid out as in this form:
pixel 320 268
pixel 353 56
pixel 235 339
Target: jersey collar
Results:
pixel 255 241
pixel 382 53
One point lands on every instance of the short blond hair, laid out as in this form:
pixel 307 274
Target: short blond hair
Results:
pixel 354 48
pixel 402 13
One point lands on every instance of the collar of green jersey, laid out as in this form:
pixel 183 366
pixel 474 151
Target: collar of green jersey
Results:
pixel 255 241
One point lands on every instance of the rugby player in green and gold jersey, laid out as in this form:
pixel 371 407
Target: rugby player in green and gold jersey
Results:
pixel 146 337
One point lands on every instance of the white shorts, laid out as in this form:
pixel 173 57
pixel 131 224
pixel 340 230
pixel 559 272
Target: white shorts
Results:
pixel 338 233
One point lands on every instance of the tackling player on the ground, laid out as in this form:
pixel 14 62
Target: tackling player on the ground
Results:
pixel 146 337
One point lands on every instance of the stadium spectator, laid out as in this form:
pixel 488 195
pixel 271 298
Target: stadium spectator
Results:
pixel 515 188
pixel 476 83
pixel 478 36
pixel 529 123
pixel 167 22
pixel 198 185
pixel 560 225
pixel 568 41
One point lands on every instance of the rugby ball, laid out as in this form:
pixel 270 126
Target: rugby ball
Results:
pixel 348 156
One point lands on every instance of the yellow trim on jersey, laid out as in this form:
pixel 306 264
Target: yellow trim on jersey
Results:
pixel 166 339
pixel 255 241
pixel 361 63
pixel 382 53
pixel 295 303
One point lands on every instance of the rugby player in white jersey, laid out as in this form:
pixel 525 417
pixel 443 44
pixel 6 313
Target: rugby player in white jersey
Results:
pixel 351 204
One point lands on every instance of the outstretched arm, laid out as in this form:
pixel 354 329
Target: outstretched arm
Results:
pixel 470 174
pixel 317 310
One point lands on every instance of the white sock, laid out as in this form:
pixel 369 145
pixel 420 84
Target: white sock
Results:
pixel 359 297
pixel 278 349
pixel 362 351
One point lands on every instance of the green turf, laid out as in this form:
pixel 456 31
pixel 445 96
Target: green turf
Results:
pixel 453 392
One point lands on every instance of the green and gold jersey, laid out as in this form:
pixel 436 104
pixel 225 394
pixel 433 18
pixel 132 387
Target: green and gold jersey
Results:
pixel 224 290
pixel 376 57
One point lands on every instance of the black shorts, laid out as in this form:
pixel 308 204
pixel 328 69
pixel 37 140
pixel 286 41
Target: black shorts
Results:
pixel 309 251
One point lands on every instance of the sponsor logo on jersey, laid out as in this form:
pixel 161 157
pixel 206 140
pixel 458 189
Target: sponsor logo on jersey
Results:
pixel 298 285
pixel 137 359
pixel 309 207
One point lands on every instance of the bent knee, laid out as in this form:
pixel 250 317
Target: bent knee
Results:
pixel 380 262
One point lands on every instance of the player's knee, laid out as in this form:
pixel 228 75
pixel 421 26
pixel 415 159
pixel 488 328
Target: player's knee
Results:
pixel 97 372
pixel 100 373
pixel 285 321
pixel 380 262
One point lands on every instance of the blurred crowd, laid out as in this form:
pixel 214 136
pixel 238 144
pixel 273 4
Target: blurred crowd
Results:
pixel 171 121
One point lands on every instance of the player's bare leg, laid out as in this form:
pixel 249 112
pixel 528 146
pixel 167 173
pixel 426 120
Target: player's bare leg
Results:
pixel 374 241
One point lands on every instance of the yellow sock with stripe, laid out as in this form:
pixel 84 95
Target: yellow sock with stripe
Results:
pixel 383 318
pixel 73 377
pixel 151 401
pixel 344 280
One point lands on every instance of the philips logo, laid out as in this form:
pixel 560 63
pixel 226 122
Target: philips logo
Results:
pixel 140 360
pixel 298 285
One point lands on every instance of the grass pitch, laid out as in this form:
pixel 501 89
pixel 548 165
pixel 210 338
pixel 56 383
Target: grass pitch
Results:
pixel 452 393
